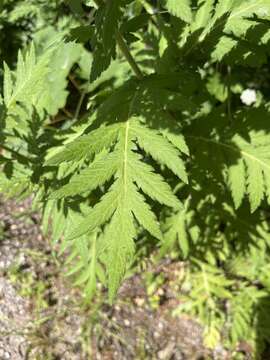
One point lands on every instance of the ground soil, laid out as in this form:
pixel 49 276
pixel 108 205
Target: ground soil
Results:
pixel 42 317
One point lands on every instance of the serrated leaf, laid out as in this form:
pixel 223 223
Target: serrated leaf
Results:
pixel 161 150
pixel 110 22
pixel 90 178
pixel 121 163
pixel 8 84
pixel 145 216
pixel 181 9
pixel 203 14
pixel 255 184
pixel 153 184
pixel 176 233
pixel 104 41
pixel 120 236
pixel 99 215
pixel 177 140
pixel 237 182
pixel 29 80
pixel 87 145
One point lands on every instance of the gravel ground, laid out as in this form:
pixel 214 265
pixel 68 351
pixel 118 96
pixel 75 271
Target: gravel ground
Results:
pixel 14 315
pixel 41 316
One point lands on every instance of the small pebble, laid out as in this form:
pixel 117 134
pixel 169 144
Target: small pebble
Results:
pixel 139 301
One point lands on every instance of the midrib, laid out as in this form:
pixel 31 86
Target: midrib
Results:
pixel 234 149
pixel 126 156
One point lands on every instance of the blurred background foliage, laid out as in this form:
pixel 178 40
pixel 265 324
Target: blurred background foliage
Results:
pixel 224 251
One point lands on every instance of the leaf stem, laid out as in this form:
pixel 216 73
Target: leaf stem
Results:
pixel 79 105
pixel 127 54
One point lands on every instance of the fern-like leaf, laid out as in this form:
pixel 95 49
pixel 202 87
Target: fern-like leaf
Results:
pixel 29 78
pixel 123 203
pixel 104 40
pixel 181 9
pixel 246 158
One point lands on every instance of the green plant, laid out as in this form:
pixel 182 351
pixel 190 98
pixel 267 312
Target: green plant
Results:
pixel 152 148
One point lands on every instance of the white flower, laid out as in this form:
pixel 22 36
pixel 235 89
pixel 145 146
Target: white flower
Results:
pixel 248 97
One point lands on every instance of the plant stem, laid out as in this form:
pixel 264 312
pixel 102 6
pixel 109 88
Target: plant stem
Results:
pixel 79 106
pixel 127 54
pixel 124 49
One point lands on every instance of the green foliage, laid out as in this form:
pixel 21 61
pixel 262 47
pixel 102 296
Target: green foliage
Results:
pixel 181 10
pixel 122 200
pixel 124 120
pixel 243 152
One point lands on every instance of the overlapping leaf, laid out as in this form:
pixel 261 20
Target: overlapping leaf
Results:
pixel 244 155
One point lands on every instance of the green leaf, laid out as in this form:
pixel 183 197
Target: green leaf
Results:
pixel 177 233
pixel 255 183
pixel 111 19
pixel 76 6
pixel 161 150
pixel 246 157
pixel 143 213
pixel 121 163
pixel 120 237
pixel 87 145
pixel 104 42
pixel 181 9
pixel 153 184
pixel 90 178
pixel 203 14
pixel 100 213
pixel 236 174
pixel 55 95
pixel 8 84
pixel 29 79
pixel 82 34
